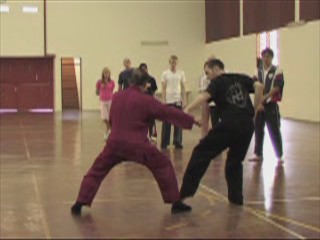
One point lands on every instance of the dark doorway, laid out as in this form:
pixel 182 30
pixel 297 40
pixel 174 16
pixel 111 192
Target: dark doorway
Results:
pixel 71 83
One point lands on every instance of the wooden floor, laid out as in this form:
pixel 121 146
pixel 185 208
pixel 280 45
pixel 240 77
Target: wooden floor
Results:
pixel 44 157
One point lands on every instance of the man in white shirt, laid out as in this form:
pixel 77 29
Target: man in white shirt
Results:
pixel 173 94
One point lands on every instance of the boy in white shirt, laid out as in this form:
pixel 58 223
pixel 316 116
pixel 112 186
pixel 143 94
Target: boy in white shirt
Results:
pixel 173 94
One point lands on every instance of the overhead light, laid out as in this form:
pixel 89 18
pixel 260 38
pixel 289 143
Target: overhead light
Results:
pixel 41 110
pixel 4 8
pixel 30 9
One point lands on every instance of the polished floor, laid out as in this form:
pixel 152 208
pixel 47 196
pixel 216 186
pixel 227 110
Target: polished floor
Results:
pixel 44 157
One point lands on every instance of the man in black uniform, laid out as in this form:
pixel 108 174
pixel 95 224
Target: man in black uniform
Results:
pixel 151 90
pixel 272 78
pixel 230 92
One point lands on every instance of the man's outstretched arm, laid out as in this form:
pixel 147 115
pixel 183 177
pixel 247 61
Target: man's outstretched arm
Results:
pixel 202 98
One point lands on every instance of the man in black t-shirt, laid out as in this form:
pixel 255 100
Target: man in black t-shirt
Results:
pixel 125 75
pixel 151 90
pixel 230 92
pixel 152 84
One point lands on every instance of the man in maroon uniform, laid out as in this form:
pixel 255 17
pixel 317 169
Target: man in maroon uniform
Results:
pixel 130 115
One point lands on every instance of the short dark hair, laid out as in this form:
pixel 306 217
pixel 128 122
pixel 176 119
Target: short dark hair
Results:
pixel 211 63
pixel 138 78
pixel 267 51
pixel 173 57
pixel 142 65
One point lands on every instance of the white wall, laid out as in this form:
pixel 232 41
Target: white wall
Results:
pixel 238 54
pixel 77 69
pixel 102 33
pixel 21 34
pixel 299 59
pixel 96 32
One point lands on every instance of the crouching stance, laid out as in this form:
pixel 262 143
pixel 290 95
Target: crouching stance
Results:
pixel 230 92
pixel 130 114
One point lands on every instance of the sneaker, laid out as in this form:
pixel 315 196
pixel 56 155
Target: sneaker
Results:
pixel 178 146
pixel 235 201
pixel 153 138
pixel 164 147
pixel 256 158
pixel 76 209
pixel 180 207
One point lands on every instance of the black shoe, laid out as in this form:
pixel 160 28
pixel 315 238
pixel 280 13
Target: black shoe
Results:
pixel 178 146
pixel 76 209
pixel 180 207
pixel 236 201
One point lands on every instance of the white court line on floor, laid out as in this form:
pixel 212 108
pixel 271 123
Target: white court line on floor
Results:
pixel 25 141
pixel 255 213
pixel 286 200
pixel 44 221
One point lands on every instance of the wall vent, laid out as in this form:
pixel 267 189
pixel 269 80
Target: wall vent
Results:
pixel 154 43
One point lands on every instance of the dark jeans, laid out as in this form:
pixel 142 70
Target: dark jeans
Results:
pixel 234 134
pixel 152 129
pixel 166 131
pixel 271 117
pixel 152 124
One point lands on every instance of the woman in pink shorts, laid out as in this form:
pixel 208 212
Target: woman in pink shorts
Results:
pixel 104 89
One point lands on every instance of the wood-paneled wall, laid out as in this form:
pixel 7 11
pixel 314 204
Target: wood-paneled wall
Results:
pixel 222 19
pixel 264 15
pixel 223 16
pixel 26 83
pixel 309 10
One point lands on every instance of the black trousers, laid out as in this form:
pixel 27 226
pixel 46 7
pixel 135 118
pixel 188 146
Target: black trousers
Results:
pixel 152 123
pixel 271 117
pixel 166 131
pixel 234 134
pixel 214 116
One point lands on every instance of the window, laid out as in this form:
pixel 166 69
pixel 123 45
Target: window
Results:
pixel 271 40
pixel 4 8
pixel 30 9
